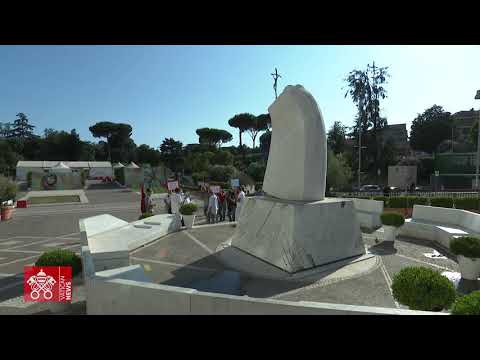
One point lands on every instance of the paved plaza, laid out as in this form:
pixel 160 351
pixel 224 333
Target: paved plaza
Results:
pixel 187 258
pixel 35 230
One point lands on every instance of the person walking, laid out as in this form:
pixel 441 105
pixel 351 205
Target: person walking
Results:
pixel 176 202
pixel 212 208
pixel 222 204
pixel 231 205
pixel 240 202
pixel 148 202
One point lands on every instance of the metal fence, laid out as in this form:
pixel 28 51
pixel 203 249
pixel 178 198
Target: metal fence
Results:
pixel 396 194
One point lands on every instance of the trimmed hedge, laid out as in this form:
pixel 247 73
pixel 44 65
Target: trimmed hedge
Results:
pixel 467 305
pixel 397 202
pixel 61 257
pixel 421 288
pixel 188 209
pixel 416 200
pixel 442 202
pixel 467 246
pixel 392 219
pixel 466 203
pixel 382 198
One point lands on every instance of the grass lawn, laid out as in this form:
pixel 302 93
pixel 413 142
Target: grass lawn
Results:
pixel 53 199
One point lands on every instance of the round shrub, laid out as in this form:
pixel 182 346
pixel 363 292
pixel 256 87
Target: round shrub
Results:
pixel 392 219
pixel 61 257
pixel 467 246
pixel 421 288
pixel 188 209
pixel 442 202
pixel 467 305
pixel 144 216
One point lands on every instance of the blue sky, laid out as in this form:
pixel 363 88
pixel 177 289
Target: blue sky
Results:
pixel 169 91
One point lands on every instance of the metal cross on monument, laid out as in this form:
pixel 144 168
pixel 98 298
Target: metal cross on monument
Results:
pixel 275 75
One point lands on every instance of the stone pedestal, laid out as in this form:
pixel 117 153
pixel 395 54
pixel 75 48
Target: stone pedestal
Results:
pixel 294 236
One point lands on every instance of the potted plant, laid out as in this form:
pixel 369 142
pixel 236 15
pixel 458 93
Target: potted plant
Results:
pixel 422 288
pixel 391 222
pixel 467 305
pixel 61 257
pixel 188 213
pixel 467 249
pixel 145 215
pixel 8 190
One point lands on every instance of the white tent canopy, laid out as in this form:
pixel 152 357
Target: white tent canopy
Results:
pixel 61 167
pixel 132 165
pixel 118 165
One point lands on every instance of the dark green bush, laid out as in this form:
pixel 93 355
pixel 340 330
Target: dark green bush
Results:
pixel 442 202
pixel 29 179
pixel 188 209
pixel 467 246
pixel 396 202
pixel 120 175
pixel 221 172
pixel 381 198
pixel 466 203
pixel 61 257
pixel 144 216
pixel 421 288
pixel 416 200
pixel 392 219
pixel 467 305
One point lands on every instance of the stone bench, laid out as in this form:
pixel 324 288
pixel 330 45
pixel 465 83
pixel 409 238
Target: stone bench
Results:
pixel 368 213
pixel 440 225
pixel 110 240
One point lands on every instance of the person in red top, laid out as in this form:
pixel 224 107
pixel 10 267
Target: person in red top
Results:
pixel 221 205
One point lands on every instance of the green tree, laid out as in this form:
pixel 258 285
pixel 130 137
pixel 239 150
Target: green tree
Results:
pixel 171 154
pixel 242 122
pixel 430 128
pixel 256 170
pixel 339 173
pixel 258 124
pixel 21 128
pixel 213 137
pixel 366 89
pixel 148 155
pixel 116 134
pixel 336 137
pixel 222 157
pixel 265 140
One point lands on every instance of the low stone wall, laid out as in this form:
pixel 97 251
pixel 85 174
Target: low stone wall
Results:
pixel 368 212
pixel 115 293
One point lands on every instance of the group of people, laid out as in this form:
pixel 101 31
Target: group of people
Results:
pixel 218 206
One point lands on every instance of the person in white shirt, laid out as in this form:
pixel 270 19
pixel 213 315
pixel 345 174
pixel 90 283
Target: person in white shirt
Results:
pixel 176 201
pixel 212 208
pixel 240 202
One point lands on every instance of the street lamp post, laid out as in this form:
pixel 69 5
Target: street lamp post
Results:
pixel 477 97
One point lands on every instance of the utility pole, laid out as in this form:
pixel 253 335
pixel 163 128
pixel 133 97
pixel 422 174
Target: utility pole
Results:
pixel 477 97
pixel 360 147
pixel 275 76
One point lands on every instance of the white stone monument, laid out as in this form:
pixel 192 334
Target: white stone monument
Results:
pixel 294 227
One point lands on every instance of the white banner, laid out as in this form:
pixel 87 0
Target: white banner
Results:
pixel 215 189
pixel 172 185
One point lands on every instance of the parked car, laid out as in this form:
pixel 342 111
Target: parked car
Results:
pixel 370 188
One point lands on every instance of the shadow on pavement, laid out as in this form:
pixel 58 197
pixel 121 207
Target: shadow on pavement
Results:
pixel 383 248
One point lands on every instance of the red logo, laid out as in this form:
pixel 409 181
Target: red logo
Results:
pixel 47 283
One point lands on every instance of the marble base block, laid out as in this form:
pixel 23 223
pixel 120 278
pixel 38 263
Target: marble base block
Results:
pixel 294 236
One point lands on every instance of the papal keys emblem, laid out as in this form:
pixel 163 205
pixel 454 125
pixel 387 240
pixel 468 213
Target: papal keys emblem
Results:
pixel 41 285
